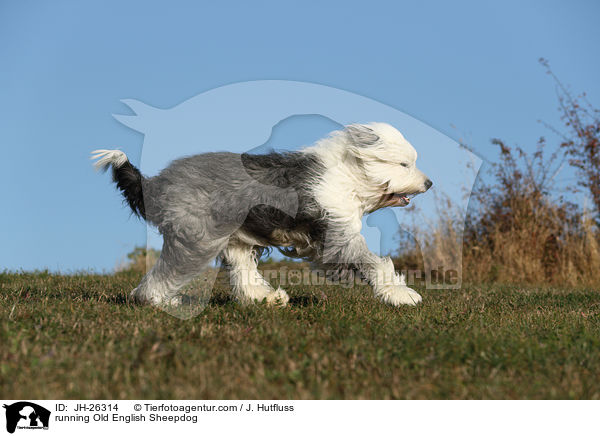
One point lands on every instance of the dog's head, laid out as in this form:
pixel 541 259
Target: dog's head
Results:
pixel 388 162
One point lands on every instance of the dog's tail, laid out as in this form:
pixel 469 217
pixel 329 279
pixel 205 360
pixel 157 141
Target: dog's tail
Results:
pixel 127 177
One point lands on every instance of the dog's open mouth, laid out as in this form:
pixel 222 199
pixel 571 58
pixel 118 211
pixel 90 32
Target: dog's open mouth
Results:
pixel 395 200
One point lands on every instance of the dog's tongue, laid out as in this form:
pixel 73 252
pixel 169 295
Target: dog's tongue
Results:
pixel 401 200
pixel 396 200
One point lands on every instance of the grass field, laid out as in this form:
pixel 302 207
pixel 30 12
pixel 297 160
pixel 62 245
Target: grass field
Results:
pixel 79 337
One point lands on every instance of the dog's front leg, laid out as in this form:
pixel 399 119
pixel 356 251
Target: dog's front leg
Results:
pixel 379 272
pixel 390 286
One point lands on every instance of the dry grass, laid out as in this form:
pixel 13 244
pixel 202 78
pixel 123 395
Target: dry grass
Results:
pixel 518 229
pixel 565 254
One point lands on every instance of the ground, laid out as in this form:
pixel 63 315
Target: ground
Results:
pixel 78 337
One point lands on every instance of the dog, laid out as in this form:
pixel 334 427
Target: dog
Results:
pixel 308 204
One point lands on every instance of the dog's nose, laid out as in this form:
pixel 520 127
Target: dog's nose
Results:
pixel 428 184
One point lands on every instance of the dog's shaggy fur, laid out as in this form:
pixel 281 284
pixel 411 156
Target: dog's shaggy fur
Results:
pixel 308 204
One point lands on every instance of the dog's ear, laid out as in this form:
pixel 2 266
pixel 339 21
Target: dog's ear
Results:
pixel 361 135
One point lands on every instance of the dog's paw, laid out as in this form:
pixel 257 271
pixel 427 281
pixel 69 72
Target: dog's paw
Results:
pixel 278 298
pixel 258 294
pixel 398 295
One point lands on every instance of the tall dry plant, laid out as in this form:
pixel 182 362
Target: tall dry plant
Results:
pixel 581 142
pixel 520 230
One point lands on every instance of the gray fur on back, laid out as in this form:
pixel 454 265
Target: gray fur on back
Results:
pixel 210 196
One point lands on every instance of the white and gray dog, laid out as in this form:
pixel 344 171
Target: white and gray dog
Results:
pixel 308 204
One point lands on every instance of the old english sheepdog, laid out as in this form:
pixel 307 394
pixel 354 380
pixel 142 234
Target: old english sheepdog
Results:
pixel 308 204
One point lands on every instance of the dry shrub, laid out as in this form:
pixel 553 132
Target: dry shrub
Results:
pixel 520 231
pixel 581 141
pixel 517 230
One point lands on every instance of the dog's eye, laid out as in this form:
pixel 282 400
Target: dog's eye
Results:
pixel 404 164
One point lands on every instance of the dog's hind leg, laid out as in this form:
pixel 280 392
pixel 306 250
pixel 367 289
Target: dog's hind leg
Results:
pixel 248 284
pixel 179 263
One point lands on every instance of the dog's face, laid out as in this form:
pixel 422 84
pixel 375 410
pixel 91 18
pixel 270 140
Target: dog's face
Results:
pixel 389 164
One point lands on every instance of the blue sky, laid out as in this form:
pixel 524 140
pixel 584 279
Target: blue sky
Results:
pixel 66 65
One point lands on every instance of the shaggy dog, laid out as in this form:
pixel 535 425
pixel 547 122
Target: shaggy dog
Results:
pixel 308 204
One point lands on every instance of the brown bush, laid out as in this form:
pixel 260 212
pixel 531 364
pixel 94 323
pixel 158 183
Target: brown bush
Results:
pixel 519 230
pixel 581 142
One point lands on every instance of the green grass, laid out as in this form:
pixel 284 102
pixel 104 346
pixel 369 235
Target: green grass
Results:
pixel 79 337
